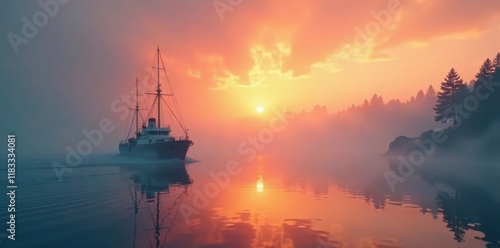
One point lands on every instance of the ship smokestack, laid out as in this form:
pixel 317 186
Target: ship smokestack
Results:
pixel 151 123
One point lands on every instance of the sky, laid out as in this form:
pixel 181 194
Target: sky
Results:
pixel 226 57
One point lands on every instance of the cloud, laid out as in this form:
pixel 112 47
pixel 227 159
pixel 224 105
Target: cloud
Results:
pixel 288 38
pixel 426 20
pixel 230 80
pixel 281 37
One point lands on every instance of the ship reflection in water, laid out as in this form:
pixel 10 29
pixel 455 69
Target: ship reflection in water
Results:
pixel 153 184
pixel 339 206
pixel 276 201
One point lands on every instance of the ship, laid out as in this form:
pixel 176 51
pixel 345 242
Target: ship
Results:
pixel 153 140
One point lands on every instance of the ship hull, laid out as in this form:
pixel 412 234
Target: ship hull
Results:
pixel 160 150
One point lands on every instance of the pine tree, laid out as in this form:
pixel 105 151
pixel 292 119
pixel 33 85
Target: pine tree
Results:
pixel 431 93
pixel 484 73
pixel 450 95
pixel 420 95
pixel 496 61
pixel 394 102
pixel 376 101
pixel 365 104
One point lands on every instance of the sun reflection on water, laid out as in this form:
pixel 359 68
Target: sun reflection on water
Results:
pixel 260 184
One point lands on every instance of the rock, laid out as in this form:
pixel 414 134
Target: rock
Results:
pixel 401 145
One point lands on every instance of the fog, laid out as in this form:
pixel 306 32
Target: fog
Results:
pixel 65 80
pixel 305 96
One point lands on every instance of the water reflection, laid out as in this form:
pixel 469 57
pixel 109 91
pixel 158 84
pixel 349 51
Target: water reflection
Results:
pixel 150 185
pixel 272 203
pixel 276 201
pixel 260 184
pixel 469 204
pixel 282 202
pixel 260 179
pixel 471 208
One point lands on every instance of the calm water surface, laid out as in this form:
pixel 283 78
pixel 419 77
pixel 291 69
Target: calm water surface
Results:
pixel 274 201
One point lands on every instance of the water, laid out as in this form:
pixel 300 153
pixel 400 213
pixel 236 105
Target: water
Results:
pixel 274 201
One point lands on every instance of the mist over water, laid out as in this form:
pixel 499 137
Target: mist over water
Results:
pixel 298 201
pixel 315 124
pixel 307 179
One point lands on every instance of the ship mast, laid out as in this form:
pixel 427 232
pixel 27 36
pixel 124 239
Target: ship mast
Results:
pixel 136 106
pixel 158 90
pixel 174 109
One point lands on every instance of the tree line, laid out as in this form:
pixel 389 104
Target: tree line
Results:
pixel 454 91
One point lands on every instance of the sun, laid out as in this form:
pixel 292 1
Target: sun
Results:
pixel 259 109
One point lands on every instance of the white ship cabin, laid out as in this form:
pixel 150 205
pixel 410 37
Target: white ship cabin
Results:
pixel 153 134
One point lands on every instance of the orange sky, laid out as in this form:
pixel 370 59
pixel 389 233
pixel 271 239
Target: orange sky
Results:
pixel 298 54
pixel 281 53
pixel 289 53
